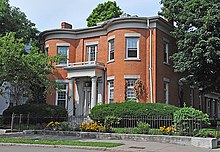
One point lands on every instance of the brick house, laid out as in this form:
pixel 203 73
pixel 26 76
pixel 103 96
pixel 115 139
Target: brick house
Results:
pixel 104 61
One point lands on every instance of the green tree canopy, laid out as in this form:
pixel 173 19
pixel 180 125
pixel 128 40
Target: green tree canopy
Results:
pixel 13 20
pixel 104 11
pixel 197 33
pixel 26 73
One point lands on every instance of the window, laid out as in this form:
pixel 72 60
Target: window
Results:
pixel 191 96
pixel 130 95
pixel 63 51
pixel 111 91
pixel 111 49
pixel 166 92
pixel 61 94
pixel 166 53
pixel 91 52
pixel 132 48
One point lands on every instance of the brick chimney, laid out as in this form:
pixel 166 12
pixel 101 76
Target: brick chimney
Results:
pixel 65 25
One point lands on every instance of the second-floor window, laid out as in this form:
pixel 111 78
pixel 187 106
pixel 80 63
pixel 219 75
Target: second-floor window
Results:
pixel 63 52
pixel 91 52
pixel 132 48
pixel 111 49
pixel 166 52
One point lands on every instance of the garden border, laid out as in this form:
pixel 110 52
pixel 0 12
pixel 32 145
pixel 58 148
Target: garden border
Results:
pixel 210 143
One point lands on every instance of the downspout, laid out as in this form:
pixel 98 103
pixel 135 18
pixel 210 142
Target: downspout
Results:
pixel 150 62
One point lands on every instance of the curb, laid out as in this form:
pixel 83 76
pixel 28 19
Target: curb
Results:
pixel 209 143
pixel 56 146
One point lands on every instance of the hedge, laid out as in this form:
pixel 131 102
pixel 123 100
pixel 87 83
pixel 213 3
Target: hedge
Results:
pixel 131 108
pixel 38 112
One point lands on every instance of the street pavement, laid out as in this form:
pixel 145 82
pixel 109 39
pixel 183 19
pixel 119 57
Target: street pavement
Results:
pixel 129 146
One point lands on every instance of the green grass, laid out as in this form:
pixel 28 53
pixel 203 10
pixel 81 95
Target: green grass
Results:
pixel 58 142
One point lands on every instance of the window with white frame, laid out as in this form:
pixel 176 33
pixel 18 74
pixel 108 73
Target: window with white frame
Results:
pixel 61 94
pixel 111 49
pixel 91 52
pixel 63 52
pixel 166 52
pixel 111 91
pixel 132 48
pixel 130 95
pixel 166 91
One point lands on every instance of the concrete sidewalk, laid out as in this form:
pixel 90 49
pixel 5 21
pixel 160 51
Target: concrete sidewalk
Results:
pixel 129 146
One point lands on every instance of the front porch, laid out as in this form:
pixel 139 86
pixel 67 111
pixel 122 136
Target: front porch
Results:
pixel 86 87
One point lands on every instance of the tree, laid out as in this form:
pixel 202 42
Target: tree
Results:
pixel 197 33
pixel 104 11
pixel 25 73
pixel 13 20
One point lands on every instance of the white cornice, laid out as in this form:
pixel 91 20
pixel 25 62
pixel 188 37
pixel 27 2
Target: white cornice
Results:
pixel 106 27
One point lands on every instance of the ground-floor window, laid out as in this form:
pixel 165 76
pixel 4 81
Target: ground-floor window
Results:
pixel 166 92
pixel 130 95
pixel 61 94
pixel 111 91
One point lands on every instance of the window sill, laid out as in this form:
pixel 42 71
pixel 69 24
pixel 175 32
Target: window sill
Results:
pixel 61 65
pixel 132 59
pixel 110 61
pixel 166 63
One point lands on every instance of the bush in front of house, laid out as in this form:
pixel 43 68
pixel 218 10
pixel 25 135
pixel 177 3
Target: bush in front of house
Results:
pixel 38 113
pixel 188 121
pixel 131 108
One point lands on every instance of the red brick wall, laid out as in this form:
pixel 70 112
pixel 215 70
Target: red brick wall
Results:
pixel 120 67
pixel 165 71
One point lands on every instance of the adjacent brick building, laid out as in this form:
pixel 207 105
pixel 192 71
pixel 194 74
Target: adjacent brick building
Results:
pixel 104 61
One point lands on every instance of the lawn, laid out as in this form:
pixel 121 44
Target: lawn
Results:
pixel 58 142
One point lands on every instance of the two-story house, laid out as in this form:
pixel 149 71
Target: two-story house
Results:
pixel 104 61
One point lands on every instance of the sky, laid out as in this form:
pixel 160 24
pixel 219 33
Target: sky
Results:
pixel 48 14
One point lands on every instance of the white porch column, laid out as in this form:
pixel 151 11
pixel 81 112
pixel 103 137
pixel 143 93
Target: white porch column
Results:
pixel 70 97
pixel 93 92
pixel 100 91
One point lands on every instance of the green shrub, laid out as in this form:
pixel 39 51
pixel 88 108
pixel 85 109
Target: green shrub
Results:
pixel 131 108
pixel 207 132
pixel 188 120
pixel 65 126
pixel 109 121
pixel 143 127
pixel 38 113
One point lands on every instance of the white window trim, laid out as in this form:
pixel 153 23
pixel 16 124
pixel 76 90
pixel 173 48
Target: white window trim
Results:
pixel 166 80
pixel 132 35
pixel 111 37
pixel 66 82
pixel 92 43
pixel 63 45
pixel 138 50
pixel 132 76
pixel 109 50
pixel 111 78
pixel 96 51
pixel 46 46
